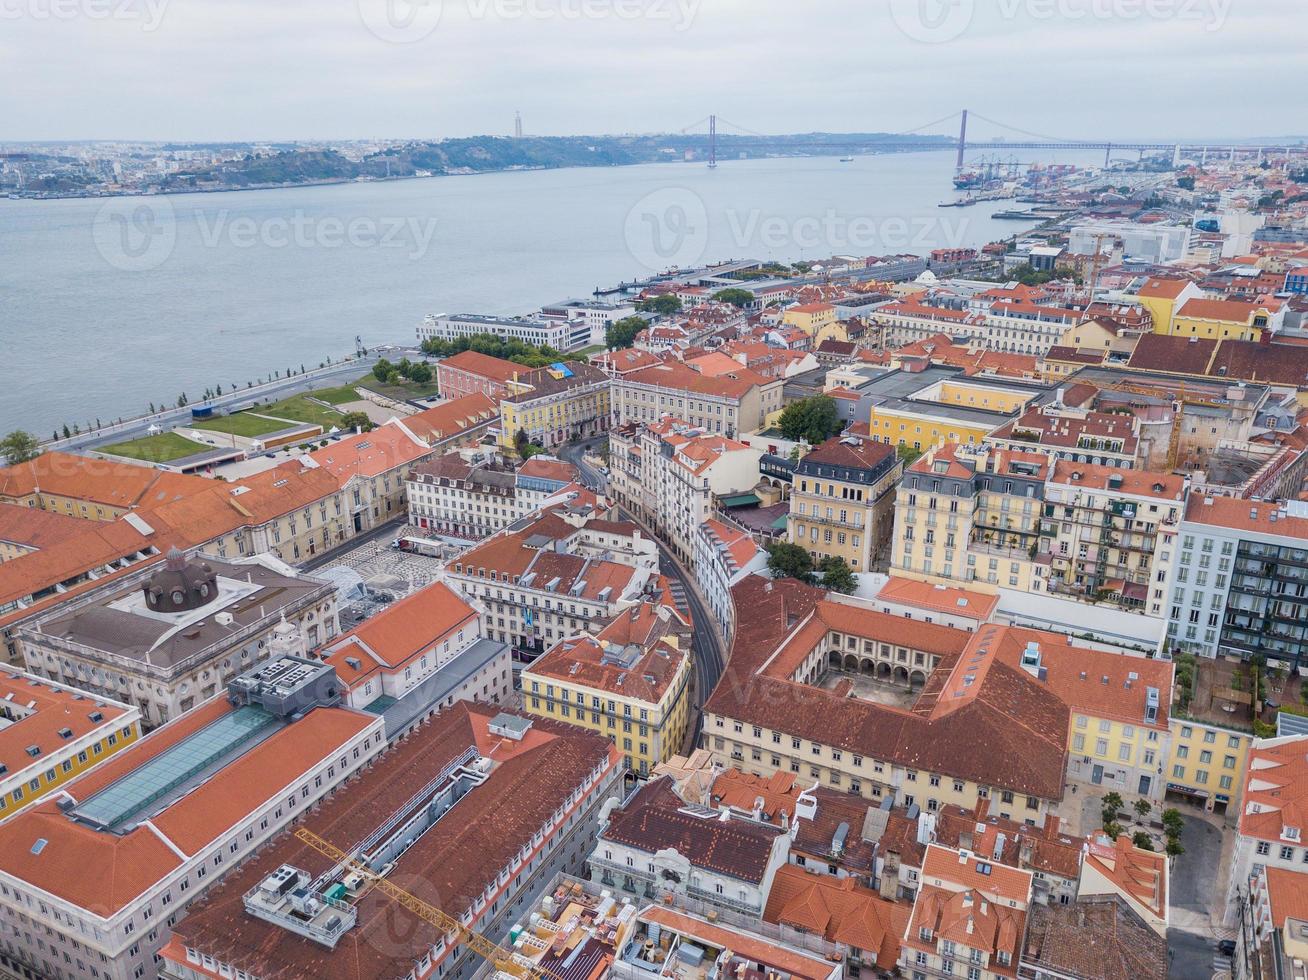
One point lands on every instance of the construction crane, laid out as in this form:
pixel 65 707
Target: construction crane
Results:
pixel 1179 400
pixel 502 959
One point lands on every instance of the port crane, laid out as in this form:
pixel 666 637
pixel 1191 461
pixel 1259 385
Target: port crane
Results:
pixel 502 958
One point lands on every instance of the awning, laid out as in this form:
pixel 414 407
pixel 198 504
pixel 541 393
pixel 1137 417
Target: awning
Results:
pixel 741 500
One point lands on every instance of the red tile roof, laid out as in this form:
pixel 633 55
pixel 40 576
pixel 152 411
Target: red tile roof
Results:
pixel 370 454
pixel 483 365
pixel 839 910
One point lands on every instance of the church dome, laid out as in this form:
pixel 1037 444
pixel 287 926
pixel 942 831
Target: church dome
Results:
pixel 181 585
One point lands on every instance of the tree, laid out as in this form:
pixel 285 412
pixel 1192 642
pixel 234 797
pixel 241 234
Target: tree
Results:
pixel 1112 829
pixel 813 420
pixel 621 334
pixel 1142 840
pixel 1112 803
pixel 420 373
pixel 520 441
pixel 1142 808
pixel 356 420
pixel 908 454
pixel 787 560
pixel 382 369
pixel 1174 847
pixel 19 446
pixel 837 576
pixel 1185 183
pixel 664 305
pixel 736 297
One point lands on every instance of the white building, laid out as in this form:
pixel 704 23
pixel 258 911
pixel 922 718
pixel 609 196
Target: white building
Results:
pixel 562 335
pixel 1270 832
pixel 723 556
pixel 1157 244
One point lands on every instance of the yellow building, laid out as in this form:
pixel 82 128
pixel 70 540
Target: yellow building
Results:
pixel 842 501
pixel 955 409
pixel 556 404
pixel 1163 297
pixel 815 319
pixel 1227 319
pixel 1205 763
pixel 629 682
pixel 89 487
pixel 51 734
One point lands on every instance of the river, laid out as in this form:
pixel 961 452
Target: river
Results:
pixel 108 305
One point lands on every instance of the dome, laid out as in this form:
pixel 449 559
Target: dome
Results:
pixel 181 585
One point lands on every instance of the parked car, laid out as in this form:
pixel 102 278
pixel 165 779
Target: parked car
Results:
pixel 1226 947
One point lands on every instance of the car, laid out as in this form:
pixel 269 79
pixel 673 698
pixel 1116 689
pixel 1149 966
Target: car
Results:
pixel 1226 947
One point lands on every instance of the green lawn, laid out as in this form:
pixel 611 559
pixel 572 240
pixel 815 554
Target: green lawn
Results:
pixel 336 396
pixel 242 424
pixel 585 352
pixel 301 409
pixel 403 390
pixel 162 448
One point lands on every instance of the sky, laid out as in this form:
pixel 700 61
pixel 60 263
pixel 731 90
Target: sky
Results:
pixel 421 69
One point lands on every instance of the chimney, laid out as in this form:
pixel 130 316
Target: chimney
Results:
pixel 889 885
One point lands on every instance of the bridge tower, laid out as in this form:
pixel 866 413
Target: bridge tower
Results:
pixel 962 142
pixel 713 142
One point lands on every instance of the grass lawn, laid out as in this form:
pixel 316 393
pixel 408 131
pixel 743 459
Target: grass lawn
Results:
pixel 162 448
pixel 585 352
pixel 300 409
pixel 241 424
pixel 402 390
pixel 336 396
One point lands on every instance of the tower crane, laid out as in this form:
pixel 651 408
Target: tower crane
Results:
pixel 502 958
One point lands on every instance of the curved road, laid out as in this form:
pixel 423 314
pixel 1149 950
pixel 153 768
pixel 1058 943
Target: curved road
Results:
pixel 705 642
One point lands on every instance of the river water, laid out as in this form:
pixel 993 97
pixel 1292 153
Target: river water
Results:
pixel 107 305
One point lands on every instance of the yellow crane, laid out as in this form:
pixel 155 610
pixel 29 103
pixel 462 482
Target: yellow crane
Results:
pixel 503 959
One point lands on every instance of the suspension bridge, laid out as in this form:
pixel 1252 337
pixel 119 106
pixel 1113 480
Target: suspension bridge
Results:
pixel 920 139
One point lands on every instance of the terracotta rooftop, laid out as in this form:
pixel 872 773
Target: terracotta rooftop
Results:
pixel 656 818
pixel 97 481
pixel 1141 483
pixel 1142 875
pixel 387 447
pixel 31 527
pixel 46 717
pixel 1259 516
pixel 453 417
pixel 451 866
pixel 676 376
pixel 956 602
pixel 483 365
pixel 1275 797
pixel 839 910
pixel 1094 939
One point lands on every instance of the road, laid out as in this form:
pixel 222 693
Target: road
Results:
pixel 1198 884
pixel 705 643
pixel 389 529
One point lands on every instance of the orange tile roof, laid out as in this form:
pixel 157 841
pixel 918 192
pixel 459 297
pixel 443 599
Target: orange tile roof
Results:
pixel 1163 288
pixel 1140 874
pixel 40 711
pixel 453 417
pixel 103 872
pixel 97 481
pixel 1276 789
pixel 31 527
pixel 956 602
pixel 1287 894
pixel 678 377
pixel 1141 483
pixel 1227 310
pixel 370 454
pixel 746 945
pixel 839 910
pixel 483 365
pixel 1245 515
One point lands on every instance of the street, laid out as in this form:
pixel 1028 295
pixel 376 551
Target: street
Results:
pixel 705 642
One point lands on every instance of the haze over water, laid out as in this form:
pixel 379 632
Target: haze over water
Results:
pixel 105 307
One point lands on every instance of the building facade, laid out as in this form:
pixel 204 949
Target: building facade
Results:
pixel 842 501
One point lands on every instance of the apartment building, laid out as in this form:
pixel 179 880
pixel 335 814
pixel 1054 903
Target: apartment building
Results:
pixel 169 637
pixel 555 576
pixel 971 516
pixel 1269 832
pixel 51 733
pixel 727 404
pixel 1205 764
pixel 724 555
pixel 655 844
pixel 628 682
pixel 535 330
pixel 1241 583
pixel 1272 936
pixel 419 656
pixel 1006 320
pixel 1110 535
pixel 783 706
pixel 1076 434
pixel 1229 319
pixel 556 404
pixel 842 500
pixel 470 500
pixel 477 812
pixel 671 473
pixel 969 918
pixel 92 889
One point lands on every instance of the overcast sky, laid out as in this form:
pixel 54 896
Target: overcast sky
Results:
pixel 308 69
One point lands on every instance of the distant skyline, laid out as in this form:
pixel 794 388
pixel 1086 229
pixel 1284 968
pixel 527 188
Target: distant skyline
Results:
pixel 238 70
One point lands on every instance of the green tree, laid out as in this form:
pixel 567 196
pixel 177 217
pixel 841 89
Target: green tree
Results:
pixel 736 297
pixel 1142 808
pixel 1185 183
pixel 837 576
pixel 19 446
pixel 621 334
pixel 1174 847
pixel 1142 840
pixel 420 373
pixel 787 560
pixel 382 369
pixel 520 442
pixel 1112 803
pixel 664 305
pixel 1173 822
pixel 814 420
pixel 908 454
pixel 1112 829
pixel 356 420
